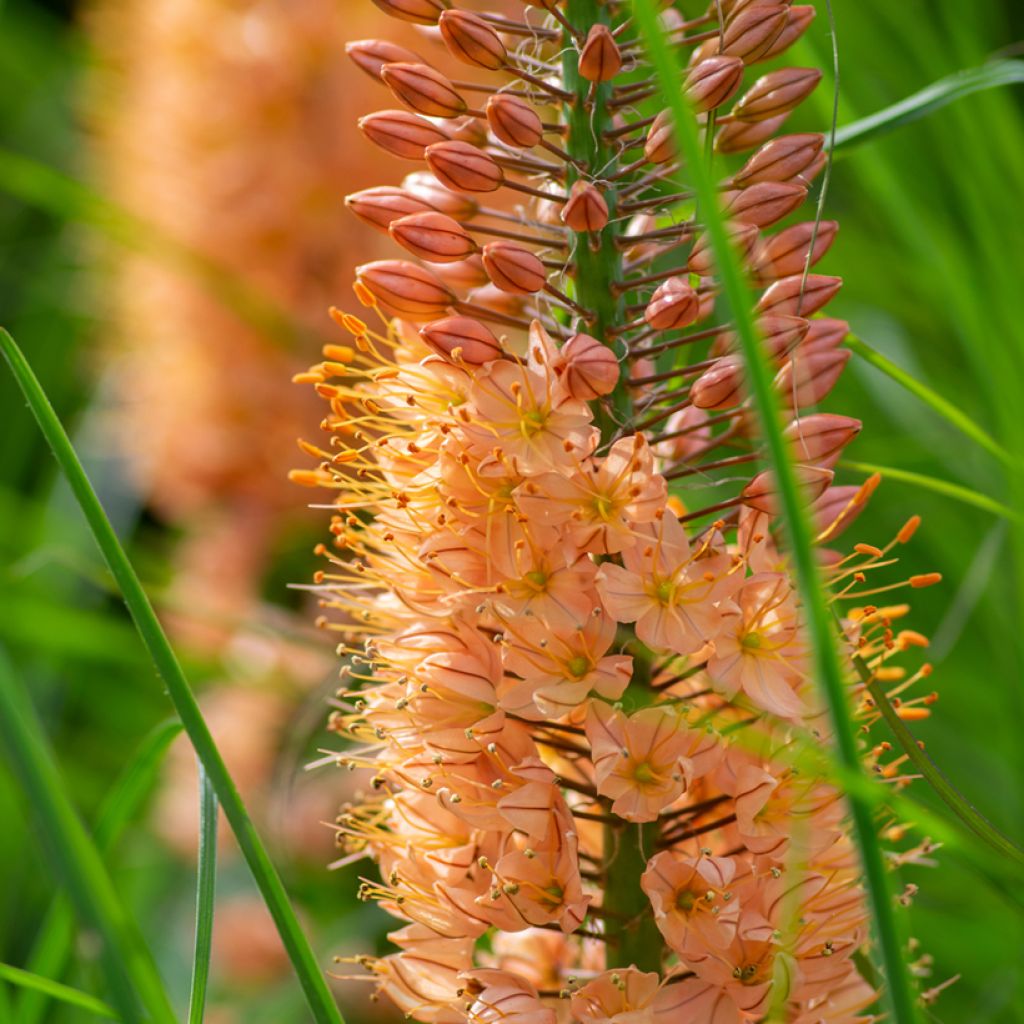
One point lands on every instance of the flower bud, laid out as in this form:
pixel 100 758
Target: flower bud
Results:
pixel 825 334
pixel 420 12
pixel 785 253
pixel 781 159
pixel 514 121
pixel 499 301
pixel 513 268
pixel 406 288
pixel 423 89
pixel 380 206
pixel 423 185
pixel 463 168
pixel 691 434
pixel 808 377
pixel 401 133
pixel 463 274
pixel 798 18
pixel 763 204
pixel 589 369
pixel 462 339
pixel 470 39
pixel 468 129
pixel 721 386
pixel 660 145
pixel 673 305
pixel 711 82
pixel 702 258
pixel 370 55
pixel 600 58
pixel 739 136
pixel 776 93
pixel 837 508
pixel 585 209
pixel 780 335
pixel 433 236
pixel 751 33
pixel 821 438
pixel 795 296
pixel 762 494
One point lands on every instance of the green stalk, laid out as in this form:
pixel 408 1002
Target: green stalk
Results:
pixel 206 883
pixel 828 669
pixel 318 995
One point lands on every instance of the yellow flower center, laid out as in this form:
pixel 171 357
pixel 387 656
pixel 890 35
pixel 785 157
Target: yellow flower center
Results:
pixel 538 578
pixel 578 666
pixel 533 422
pixel 752 641
pixel 644 773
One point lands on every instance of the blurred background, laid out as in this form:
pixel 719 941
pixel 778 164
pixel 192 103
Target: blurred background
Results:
pixel 172 228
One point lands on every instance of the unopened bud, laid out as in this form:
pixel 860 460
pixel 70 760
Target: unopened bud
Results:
pixel 762 493
pixel 406 288
pixel 798 18
pixel 787 252
pixel 589 369
pixel 808 377
pixel 462 339
pixel 673 305
pixel 702 257
pixel 514 121
pixel 468 129
pixel 423 89
pixel 825 334
pixel 660 145
pixel 384 204
pixel 713 81
pixel 821 437
pixel 776 93
pixel 763 204
pixel 751 33
pixel 836 509
pixel 423 185
pixel 463 274
pixel 370 55
pixel 780 335
pixel 799 296
pixel 739 136
pixel 513 268
pixel 463 168
pixel 420 12
pixel 470 39
pixel 600 58
pixel 433 236
pixel 585 210
pixel 401 133
pixel 781 159
pixel 721 386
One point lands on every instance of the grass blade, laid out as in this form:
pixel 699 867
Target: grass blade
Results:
pixel 318 995
pixel 135 986
pixel 946 409
pixel 54 943
pixel 994 75
pixel 898 993
pixel 206 884
pixel 55 990
pixel 931 483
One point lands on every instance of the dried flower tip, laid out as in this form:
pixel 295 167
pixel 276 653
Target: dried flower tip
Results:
pixel 370 55
pixel 462 339
pixel 820 438
pixel 514 121
pixel 763 204
pixel 776 93
pixel 660 144
pixel 420 12
pixel 433 236
pixel 470 39
pixel 787 252
pixel 407 288
pixel 423 185
pixel 797 296
pixel 423 89
pixel 600 58
pixel 585 209
pixel 713 81
pixel 463 168
pixel 513 268
pixel 762 494
pixel 751 33
pixel 589 368
pixel 380 206
pixel 674 304
pixel 401 133
pixel 781 159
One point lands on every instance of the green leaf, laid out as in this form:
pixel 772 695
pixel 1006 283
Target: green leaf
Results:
pixel 53 945
pixel 828 670
pixel 931 483
pixel 939 94
pixel 55 990
pixel 127 963
pixel 318 995
pixel 206 884
pixel 945 408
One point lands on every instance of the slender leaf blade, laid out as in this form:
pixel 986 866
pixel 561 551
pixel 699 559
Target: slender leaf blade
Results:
pixel 206 884
pixel 50 989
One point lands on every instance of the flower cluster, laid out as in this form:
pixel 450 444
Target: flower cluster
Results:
pixel 576 674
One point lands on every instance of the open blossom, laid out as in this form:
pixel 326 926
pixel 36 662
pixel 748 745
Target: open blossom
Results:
pixel 575 691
